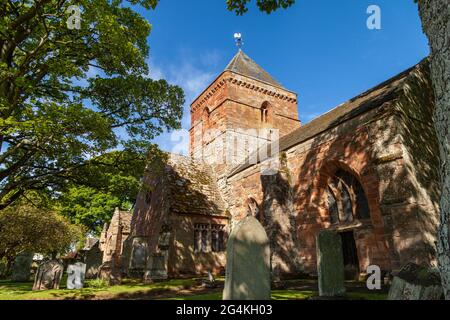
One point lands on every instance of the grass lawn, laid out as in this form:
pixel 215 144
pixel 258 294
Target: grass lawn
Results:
pixel 127 290
pixel 177 289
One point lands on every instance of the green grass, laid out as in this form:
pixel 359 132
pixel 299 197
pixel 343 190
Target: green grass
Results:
pixel 130 289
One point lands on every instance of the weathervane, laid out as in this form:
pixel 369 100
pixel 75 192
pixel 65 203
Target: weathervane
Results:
pixel 238 39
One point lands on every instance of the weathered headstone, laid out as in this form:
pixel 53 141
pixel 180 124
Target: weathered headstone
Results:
pixel 109 273
pixel 21 269
pixel 415 282
pixel 330 264
pixel 248 262
pixel 48 275
pixel 157 267
pixel 138 257
pixel 93 258
pixel 76 274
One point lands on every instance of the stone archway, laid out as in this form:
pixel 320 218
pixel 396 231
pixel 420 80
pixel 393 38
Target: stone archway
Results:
pixel 349 204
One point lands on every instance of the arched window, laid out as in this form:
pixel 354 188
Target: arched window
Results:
pixel 346 199
pixel 205 115
pixel 265 112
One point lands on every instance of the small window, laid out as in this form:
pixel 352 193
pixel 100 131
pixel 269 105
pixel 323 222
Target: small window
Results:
pixel 217 238
pixel 205 115
pixel 265 112
pixel 197 244
pixel 201 237
pixel 204 240
pixel 222 246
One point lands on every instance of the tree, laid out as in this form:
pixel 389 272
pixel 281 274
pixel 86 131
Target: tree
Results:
pixel 110 182
pixel 435 16
pixel 68 94
pixel 26 228
pixel 268 6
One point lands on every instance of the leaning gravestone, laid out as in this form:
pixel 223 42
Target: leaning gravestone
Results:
pixel 248 262
pixel 76 273
pixel 415 282
pixel 21 269
pixel 48 275
pixel 330 264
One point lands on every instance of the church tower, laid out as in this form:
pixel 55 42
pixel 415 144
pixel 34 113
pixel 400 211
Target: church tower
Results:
pixel 242 109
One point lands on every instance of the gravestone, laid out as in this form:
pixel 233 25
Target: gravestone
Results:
pixel 138 257
pixel 109 273
pixel 93 258
pixel 157 267
pixel 330 264
pixel 415 282
pixel 21 269
pixel 76 274
pixel 48 275
pixel 248 262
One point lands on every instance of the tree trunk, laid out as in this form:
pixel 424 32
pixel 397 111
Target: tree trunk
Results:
pixel 435 15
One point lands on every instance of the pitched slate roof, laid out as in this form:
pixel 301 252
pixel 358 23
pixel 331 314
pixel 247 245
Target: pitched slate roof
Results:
pixel 244 65
pixel 192 187
pixel 371 99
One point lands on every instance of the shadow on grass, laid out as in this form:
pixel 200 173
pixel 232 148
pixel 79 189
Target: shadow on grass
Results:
pixel 177 289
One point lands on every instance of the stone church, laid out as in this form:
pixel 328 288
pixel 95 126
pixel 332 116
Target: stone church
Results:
pixel 366 169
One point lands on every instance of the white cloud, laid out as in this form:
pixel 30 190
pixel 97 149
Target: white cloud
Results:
pixel 193 77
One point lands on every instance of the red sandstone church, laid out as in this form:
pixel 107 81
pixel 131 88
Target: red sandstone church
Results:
pixel 366 169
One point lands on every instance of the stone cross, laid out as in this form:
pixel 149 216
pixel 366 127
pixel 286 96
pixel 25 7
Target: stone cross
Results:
pixel 76 274
pixel 330 264
pixel 248 262
pixel 48 275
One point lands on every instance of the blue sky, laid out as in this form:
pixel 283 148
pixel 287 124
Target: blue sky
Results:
pixel 320 49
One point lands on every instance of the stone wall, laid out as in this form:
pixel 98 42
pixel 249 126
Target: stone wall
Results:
pixel 380 148
pixel 183 261
pixel 411 202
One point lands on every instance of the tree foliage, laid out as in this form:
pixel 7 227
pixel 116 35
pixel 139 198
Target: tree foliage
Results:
pixel 241 6
pixel 25 227
pixel 67 95
pixel 108 182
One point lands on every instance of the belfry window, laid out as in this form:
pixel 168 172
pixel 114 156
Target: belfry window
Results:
pixel 205 116
pixel 265 112
pixel 346 199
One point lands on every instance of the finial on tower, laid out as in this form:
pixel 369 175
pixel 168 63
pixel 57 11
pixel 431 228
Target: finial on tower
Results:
pixel 238 39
